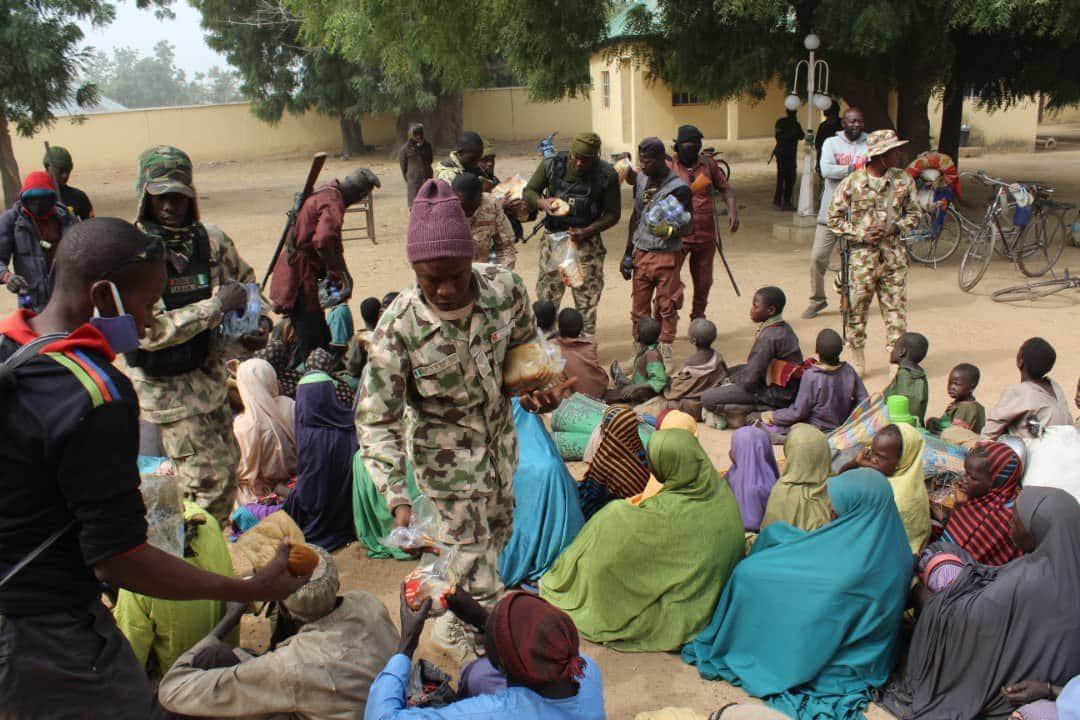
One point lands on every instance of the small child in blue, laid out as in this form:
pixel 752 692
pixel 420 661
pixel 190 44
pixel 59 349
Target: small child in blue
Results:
pixel 532 643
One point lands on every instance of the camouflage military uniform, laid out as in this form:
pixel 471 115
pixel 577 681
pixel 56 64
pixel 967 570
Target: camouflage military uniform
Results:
pixel 549 284
pixel 461 437
pixel 191 409
pixel 449 169
pixel 862 200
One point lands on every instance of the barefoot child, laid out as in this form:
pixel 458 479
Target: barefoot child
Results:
pixel 828 391
pixel 964 411
pixel 910 380
pixel 579 352
pixel 776 346
pixel 649 378
pixel 704 369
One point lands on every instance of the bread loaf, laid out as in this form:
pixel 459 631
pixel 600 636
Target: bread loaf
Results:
pixel 302 560
pixel 525 369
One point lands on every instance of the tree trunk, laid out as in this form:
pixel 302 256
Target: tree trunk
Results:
pixel 352 136
pixel 442 125
pixel 9 167
pixel 952 116
pixel 912 117
pixel 856 89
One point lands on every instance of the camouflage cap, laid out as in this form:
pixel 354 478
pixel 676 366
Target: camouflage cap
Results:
pixel 164 169
pixel 59 158
pixel 880 142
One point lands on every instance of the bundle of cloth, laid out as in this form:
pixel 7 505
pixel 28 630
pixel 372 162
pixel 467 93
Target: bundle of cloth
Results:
pixel 575 425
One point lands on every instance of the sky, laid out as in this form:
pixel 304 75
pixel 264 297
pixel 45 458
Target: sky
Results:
pixel 139 29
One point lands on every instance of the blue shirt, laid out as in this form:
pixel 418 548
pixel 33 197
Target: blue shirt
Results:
pixel 340 320
pixel 386 700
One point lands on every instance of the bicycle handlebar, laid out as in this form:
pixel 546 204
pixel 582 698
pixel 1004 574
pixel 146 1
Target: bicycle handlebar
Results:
pixel 985 179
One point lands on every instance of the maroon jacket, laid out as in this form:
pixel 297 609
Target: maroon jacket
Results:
pixel 318 227
pixel 704 227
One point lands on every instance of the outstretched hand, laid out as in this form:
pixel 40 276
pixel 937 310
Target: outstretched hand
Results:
pixel 412 624
pixel 274 581
pixel 545 401
pixel 466 608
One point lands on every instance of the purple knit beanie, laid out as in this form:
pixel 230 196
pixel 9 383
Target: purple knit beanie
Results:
pixel 438 227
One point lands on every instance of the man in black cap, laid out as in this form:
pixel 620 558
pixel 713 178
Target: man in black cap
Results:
pixel 706 180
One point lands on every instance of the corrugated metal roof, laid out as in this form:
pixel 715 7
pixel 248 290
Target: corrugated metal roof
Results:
pixel 619 25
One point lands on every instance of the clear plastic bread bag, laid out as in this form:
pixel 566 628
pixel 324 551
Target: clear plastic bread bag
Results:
pixel 570 268
pixel 423 529
pixel 434 578
pixel 164 501
pixel 535 365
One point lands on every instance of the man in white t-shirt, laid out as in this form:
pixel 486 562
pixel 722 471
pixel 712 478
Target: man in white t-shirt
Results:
pixel 840 155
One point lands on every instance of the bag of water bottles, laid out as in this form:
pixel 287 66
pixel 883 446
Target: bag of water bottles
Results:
pixel 667 211
pixel 237 324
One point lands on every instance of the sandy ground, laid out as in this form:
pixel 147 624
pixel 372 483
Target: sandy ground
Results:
pixel 248 200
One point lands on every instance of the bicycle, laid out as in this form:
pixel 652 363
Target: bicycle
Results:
pixel 1034 246
pixel 1034 291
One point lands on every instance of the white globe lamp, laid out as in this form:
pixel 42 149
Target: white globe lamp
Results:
pixel 792 102
pixel 811 42
pixel 822 102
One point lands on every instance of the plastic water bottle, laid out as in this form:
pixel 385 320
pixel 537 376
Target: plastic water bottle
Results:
pixel 237 324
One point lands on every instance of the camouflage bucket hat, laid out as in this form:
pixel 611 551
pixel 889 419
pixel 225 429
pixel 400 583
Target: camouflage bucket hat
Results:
pixel 165 169
pixel 880 142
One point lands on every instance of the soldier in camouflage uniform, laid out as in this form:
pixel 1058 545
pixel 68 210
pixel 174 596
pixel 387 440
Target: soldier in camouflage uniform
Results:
pixel 873 207
pixel 179 371
pixel 465 159
pixel 438 355
pixel 589 187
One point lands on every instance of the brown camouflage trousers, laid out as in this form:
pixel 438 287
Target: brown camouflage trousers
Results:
pixel 549 284
pixel 881 272
pixel 206 455
pixel 478 529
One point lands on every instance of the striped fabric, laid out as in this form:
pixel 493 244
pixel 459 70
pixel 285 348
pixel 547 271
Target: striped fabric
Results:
pixel 981 525
pixel 97 383
pixel 620 464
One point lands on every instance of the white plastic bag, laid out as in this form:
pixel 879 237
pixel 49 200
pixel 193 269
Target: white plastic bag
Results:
pixel 563 259
pixel 1054 460
pixel 164 502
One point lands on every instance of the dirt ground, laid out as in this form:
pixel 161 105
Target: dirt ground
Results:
pixel 248 200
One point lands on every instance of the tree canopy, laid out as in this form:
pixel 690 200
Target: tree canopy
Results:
pixel 138 81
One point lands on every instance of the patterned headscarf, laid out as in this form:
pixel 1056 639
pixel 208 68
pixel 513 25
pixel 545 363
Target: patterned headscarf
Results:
pixel 321 360
pixel 981 525
pixel 536 643
pixel 620 463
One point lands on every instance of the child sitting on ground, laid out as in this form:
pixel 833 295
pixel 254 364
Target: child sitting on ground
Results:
pixel 544 312
pixel 356 355
pixel 767 380
pixel 650 377
pixel 704 369
pixel 579 352
pixel 828 392
pixel 910 379
pixel 964 411
pixel 1036 403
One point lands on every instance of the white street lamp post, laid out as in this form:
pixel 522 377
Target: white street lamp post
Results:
pixel 817 95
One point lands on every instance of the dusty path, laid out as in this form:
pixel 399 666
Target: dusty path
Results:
pixel 248 199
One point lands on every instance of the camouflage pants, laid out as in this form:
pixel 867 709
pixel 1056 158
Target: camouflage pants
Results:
pixel 881 272
pixel 478 528
pixel 205 453
pixel 549 285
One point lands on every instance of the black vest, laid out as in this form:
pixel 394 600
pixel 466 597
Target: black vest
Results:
pixel 583 194
pixel 184 287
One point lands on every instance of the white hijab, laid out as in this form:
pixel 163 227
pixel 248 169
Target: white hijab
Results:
pixel 266 430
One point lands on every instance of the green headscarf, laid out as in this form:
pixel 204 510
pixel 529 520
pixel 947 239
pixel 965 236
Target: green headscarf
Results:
pixel 800 497
pixel 647 578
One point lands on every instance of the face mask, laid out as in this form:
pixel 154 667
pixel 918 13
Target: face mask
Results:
pixel 688 154
pixel 120 331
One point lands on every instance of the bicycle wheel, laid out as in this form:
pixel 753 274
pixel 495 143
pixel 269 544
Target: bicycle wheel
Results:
pixel 977 257
pixel 927 247
pixel 1040 246
pixel 1031 291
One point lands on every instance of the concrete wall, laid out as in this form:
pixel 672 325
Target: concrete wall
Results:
pixel 1015 127
pixel 758 119
pixel 508 114
pixel 227 132
pixel 1064 115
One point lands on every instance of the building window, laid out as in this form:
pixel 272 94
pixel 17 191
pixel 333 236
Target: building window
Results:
pixel 605 88
pixel 684 99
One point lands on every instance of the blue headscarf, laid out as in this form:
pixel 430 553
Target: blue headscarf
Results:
pixel 810 621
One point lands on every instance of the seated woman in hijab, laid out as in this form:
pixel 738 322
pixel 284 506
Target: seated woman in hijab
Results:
pixel 278 352
pixel 619 467
pixel 994 626
pixel 810 621
pixel 540 673
pixel 646 578
pixel 265 432
pixel 321 502
pixel 752 474
pixel 897 453
pixel 982 522
pixel 800 497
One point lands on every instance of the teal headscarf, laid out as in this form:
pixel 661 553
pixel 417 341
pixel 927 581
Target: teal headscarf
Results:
pixel 810 621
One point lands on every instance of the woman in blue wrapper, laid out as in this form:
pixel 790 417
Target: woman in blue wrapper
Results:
pixel 810 621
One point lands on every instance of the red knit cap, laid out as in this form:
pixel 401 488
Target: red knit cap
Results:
pixel 38 183
pixel 438 227
pixel 536 643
